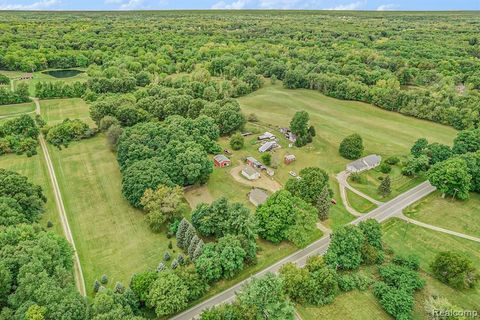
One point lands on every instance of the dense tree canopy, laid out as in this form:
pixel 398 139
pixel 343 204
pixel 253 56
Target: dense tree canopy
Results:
pixel 286 217
pixel 351 147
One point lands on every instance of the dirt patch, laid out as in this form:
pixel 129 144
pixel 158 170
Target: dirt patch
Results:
pixel 198 194
pixel 265 181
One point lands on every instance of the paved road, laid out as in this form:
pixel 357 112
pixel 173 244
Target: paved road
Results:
pixel 79 280
pixel 389 209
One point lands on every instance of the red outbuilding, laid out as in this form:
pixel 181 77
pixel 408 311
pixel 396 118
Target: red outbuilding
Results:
pixel 221 161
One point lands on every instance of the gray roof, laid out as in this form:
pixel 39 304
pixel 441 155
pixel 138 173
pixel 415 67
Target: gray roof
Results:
pixel 221 158
pixel 370 161
pixel 267 146
pixel 257 196
pixel 252 159
pixel 249 170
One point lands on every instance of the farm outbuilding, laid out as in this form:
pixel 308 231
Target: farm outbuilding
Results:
pixel 257 196
pixel 289 158
pixel 251 161
pixel 366 163
pixel 221 161
pixel 250 173
pixel 267 146
pixel 266 135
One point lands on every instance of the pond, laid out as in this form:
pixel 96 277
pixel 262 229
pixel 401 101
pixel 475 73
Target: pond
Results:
pixel 63 73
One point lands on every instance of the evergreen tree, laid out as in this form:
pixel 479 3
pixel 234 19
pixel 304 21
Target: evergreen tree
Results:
pixel 323 204
pixel 96 286
pixel 188 237
pixel 384 189
pixel 193 246
pixel 166 256
pixel 181 231
pixel 198 250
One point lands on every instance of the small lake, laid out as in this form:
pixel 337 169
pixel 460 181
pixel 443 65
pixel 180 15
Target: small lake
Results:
pixel 63 73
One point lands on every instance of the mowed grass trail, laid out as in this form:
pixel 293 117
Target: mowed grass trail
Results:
pixel 407 239
pixel 385 133
pixel 35 169
pixel 14 109
pixel 112 237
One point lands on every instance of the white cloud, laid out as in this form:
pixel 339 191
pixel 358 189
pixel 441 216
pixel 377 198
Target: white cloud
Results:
pixel 132 5
pixel 386 7
pixel 236 5
pixel 278 4
pixel 39 5
pixel 349 6
pixel 113 1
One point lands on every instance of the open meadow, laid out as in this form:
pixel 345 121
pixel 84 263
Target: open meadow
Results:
pixel 7 111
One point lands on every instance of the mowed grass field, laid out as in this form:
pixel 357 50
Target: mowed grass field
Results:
pixel 112 237
pixel 353 305
pixel 35 169
pixel 11 110
pixel 456 215
pixel 43 77
pixel 57 110
pixel 406 239
pixel 383 132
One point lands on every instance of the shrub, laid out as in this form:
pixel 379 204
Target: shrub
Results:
pixel 96 286
pixel 49 224
pixel 119 287
pixel 385 168
pixel 237 141
pixel 252 117
pixel 108 121
pixel 351 147
pixel 410 261
pixel 166 256
pixel 392 160
pixel 267 158
pixel 455 269
pixel 104 279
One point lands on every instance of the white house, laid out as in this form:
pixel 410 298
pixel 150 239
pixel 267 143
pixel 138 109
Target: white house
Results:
pixel 250 173
pixel 365 163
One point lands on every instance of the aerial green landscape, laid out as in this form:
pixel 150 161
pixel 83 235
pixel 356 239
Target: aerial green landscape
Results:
pixel 239 164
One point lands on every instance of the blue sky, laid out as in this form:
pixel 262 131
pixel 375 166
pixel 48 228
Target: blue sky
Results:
pixel 239 4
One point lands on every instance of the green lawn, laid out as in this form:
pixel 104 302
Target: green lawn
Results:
pixel 354 305
pixel 456 215
pixel 399 183
pixel 112 237
pixel 55 111
pixel 42 77
pixel 36 170
pixel 15 109
pixel 383 132
pixel 406 239
pixel 360 204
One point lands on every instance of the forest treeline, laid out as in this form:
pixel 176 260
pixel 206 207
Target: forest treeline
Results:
pixel 419 65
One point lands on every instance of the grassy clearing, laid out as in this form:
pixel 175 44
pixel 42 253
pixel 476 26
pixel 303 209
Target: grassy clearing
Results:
pixel 111 236
pixel 351 305
pixel 55 111
pixel 360 204
pixel 456 215
pixel 42 77
pixel 385 133
pixel 406 239
pixel 36 170
pixel 16 109
pixel 370 180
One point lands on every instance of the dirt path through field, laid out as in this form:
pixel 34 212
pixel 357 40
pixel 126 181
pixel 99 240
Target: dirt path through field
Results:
pixel 79 280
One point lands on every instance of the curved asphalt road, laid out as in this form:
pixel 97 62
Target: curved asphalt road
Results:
pixel 389 209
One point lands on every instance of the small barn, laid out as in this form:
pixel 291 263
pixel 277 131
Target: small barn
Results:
pixel 289 158
pixel 267 146
pixel 250 173
pixel 257 196
pixel 251 161
pixel 221 161
pixel 365 163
